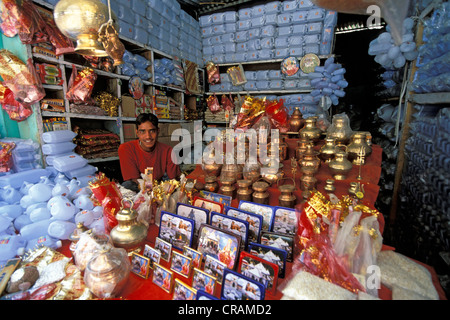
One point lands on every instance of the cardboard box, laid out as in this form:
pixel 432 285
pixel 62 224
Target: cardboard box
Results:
pixel 128 107
pixel 163 129
pixel 129 131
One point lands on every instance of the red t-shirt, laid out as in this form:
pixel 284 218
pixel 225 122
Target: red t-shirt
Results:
pixel 134 161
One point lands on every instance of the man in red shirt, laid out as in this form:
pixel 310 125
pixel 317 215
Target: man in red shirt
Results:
pixel 146 152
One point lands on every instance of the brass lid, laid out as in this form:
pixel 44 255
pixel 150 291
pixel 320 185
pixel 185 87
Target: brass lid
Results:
pixel 260 186
pixel 244 183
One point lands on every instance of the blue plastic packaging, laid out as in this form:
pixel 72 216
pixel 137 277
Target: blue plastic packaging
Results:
pixel 58 136
pixel 60 229
pixel 11 246
pixel 35 230
pixel 43 241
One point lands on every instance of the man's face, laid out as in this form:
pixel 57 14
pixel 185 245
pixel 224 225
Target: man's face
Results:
pixel 147 134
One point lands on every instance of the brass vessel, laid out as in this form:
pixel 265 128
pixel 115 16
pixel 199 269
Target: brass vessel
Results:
pixel 211 184
pixel 355 187
pixel 358 150
pixel 308 182
pixel 209 165
pixel 340 166
pixel 129 234
pixel 302 143
pixel 328 150
pixel 244 191
pixel 287 197
pixel 329 186
pixel 251 171
pixel 312 132
pixel 340 129
pixel 310 162
pixel 227 188
pixel 272 174
pixel 260 194
pixel 296 121
pixel 232 171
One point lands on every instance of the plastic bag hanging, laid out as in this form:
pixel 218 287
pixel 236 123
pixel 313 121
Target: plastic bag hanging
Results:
pixel 213 73
pixel 213 104
pixel 81 85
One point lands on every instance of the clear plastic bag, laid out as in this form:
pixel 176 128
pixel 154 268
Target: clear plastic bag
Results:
pixel 213 104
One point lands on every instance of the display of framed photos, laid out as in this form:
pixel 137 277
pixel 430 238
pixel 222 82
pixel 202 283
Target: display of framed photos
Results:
pixel 177 230
pixel 140 265
pixel 203 281
pixel 271 254
pixel 195 255
pixel 232 224
pixel 164 247
pixel 263 210
pixel 236 286
pixel 285 220
pixel 255 222
pixel 181 264
pixel 280 241
pixel 182 291
pixel 162 277
pixel 199 215
pixel 214 268
pixel 260 270
pixel 217 197
pixel 202 295
pixel 210 205
pixel 220 244
pixel 153 254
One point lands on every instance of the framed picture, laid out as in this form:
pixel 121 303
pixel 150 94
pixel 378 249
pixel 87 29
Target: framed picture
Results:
pixel 199 215
pixel 263 210
pixel 164 247
pixel 239 287
pixel 279 240
pixel 196 256
pixel 232 224
pixel 162 277
pixel 210 205
pixel 220 244
pixel 182 291
pixel 254 222
pixel 285 221
pixel 202 295
pixel 214 268
pixel 153 254
pixel 181 264
pixel 260 270
pixel 271 254
pixel 217 197
pixel 140 265
pixel 203 281
pixel 177 230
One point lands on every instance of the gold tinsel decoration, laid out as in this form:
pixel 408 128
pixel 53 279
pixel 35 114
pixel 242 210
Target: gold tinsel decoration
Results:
pixel 108 102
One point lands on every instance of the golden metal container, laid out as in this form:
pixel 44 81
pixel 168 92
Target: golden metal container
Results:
pixel 308 182
pixel 260 194
pixel 310 162
pixel 244 191
pixel 358 150
pixel 296 121
pixel 340 130
pixel 211 184
pixel 328 150
pixel 340 166
pixel 329 185
pixel 227 188
pixel 287 197
pixel 310 129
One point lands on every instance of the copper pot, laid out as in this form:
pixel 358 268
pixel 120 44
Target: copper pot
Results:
pixel 310 162
pixel 227 188
pixel 260 194
pixel 358 150
pixel 296 121
pixel 287 197
pixel 244 191
pixel 340 166
pixel 340 129
pixel 302 143
pixel 308 182
pixel 211 184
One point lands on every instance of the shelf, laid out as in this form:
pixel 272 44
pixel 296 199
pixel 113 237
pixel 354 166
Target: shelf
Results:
pixel 430 98
pixel 261 92
pixel 97 160
pixel 266 61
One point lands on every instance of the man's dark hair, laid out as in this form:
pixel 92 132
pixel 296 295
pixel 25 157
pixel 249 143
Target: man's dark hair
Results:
pixel 144 117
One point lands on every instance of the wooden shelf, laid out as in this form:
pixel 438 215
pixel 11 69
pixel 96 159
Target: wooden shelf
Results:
pixel 430 98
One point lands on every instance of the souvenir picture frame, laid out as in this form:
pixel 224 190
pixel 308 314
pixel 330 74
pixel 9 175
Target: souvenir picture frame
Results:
pixel 255 222
pixel 215 268
pixel 266 272
pixel 236 286
pixel 203 281
pixel 210 205
pixel 140 265
pixel 281 241
pixel 164 247
pixel 182 291
pixel 217 197
pixel 202 295
pixel 176 229
pixel 196 214
pixel 270 254
pixel 222 245
pixel 153 254
pixel 196 256
pixel 163 278
pixel 232 224
pixel 181 264
pixel 263 210
pixel 285 220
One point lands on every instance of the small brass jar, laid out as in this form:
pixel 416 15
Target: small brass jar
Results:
pixel 287 197
pixel 310 162
pixel 244 191
pixel 211 184
pixel 328 150
pixel 340 166
pixel 260 194
pixel 308 182
pixel 358 148
pixel 310 129
pixel 340 129
pixel 302 143
pixel 296 121
pixel 329 185
pixel 227 188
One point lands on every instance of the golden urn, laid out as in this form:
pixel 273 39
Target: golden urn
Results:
pixel 310 129
pixel 287 197
pixel 260 194
pixel 340 166
pixel 310 162
pixel 296 121
pixel 244 191
pixel 358 150
pixel 340 129
pixel 328 150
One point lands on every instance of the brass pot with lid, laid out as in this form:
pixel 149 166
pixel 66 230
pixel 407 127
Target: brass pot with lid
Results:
pixel 340 166
pixel 358 150
pixel 302 144
pixel 227 188
pixel 244 191
pixel 211 184
pixel 310 129
pixel 260 194
pixel 287 197
pixel 310 162
pixel 328 150
pixel 296 121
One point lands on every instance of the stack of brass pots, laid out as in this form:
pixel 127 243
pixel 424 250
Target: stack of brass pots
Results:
pixel 358 150
pixel 310 130
pixel 211 184
pixel 302 144
pixel 340 166
pixel 287 197
pixel 296 121
pixel 244 191
pixel 260 194
pixel 340 129
pixel 227 188
pixel 310 162
pixel 328 150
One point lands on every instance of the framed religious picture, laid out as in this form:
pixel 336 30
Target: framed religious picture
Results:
pixel 140 265
pixel 220 244
pixel 199 215
pixel 202 295
pixel 236 286
pixel 263 210
pixel 182 291
pixel 203 281
pixel 260 270
pixel 153 254
pixel 232 224
pixel 162 277
pixel 181 264
pixel 271 254
pixel 214 268
pixel 279 240
pixel 177 230
pixel 196 256
pixel 208 204
pixel 285 221
pixel 217 197
pixel 255 222
pixel 164 247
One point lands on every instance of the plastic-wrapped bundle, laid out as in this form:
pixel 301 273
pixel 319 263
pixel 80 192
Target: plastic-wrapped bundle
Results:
pixel 227 37
pixel 309 38
pixel 258 21
pixel 262 85
pixel 258 11
pixel 265 54
pixel 250 75
pixel 281 53
pixel 250 86
pixel 241 36
pixel 205 21
pixel 244 25
pixel 218 18
pixel 230 47
pixel 272 7
pixel 299 17
pixel 284 31
pixel 315 14
pixel 267 43
pixel 207 32
pixel 268 31
pixel 311 48
pixel 253 55
pixel 254 33
pixel 284 19
pixel 241 47
pixel 271 19
pixel 288 6
pixel 230 27
pixel 244 14
pixel 299 29
pixel 296 51
pixel 230 16
pixel 281 42
pixel 327 39
pixel 253 45
pixel 314 27
pixel 219 29
pixel 274 75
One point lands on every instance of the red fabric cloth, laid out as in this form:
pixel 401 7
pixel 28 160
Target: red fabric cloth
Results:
pixel 134 161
